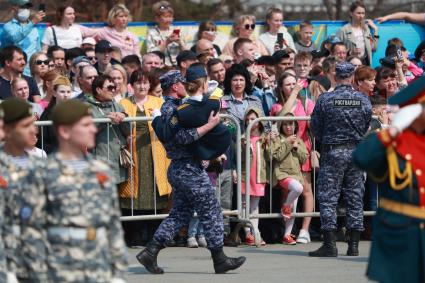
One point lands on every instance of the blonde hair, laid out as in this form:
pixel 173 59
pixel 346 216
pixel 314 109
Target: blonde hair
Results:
pixel 17 80
pixel 270 12
pixel 194 86
pixel 113 13
pixel 120 69
pixel 33 59
pixel 240 21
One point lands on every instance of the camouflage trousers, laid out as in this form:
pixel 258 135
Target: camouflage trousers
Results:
pixel 192 191
pixel 337 175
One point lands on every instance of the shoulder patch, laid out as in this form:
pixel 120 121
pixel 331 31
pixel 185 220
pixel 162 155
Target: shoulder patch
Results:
pixel 3 183
pixel 173 120
pixel 183 106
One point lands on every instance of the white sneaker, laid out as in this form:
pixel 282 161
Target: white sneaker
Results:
pixel 303 237
pixel 192 243
pixel 202 243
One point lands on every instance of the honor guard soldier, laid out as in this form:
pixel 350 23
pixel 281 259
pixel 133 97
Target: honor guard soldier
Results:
pixel 339 122
pixel 82 212
pixel 192 189
pixel 5 276
pixel 25 243
pixel 395 157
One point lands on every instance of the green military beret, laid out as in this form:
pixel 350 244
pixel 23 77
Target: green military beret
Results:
pixel 15 109
pixel 69 112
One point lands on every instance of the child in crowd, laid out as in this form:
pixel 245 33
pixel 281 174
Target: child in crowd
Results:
pixel 305 34
pixel 33 150
pixel 164 37
pixel 289 153
pixel 258 175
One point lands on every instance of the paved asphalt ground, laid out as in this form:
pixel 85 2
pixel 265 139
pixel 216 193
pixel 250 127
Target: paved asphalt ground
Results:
pixel 272 263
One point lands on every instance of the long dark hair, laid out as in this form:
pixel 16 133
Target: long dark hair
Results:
pixel 234 70
pixel 279 92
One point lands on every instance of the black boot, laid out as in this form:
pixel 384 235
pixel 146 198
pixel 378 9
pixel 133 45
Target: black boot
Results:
pixel 353 243
pixel 148 257
pixel 223 263
pixel 328 248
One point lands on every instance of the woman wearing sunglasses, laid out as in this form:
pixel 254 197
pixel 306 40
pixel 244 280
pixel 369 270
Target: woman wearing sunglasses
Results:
pixel 110 137
pixel 244 27
pixel 39 65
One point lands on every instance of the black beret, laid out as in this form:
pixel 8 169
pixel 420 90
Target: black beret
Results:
pixel 69 112
pixel 15 109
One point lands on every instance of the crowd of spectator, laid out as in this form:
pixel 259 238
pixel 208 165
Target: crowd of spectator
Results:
pixel 274 74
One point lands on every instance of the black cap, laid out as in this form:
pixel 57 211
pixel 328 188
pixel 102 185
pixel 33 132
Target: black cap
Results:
pixel 15 109
pixel 279 55
pixel 69 112
pixel 103 46
pixel 185 55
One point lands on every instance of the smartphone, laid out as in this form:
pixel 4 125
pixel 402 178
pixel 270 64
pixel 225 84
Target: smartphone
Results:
pixel 42 7
pixel 280 39
pixel 176 32
pixel 399 54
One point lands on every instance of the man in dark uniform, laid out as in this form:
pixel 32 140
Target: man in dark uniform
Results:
pixel 339 122
pixel 395 157
pixel 192 189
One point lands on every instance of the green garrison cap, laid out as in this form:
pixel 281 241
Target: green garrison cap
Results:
pixel 413 93
pixel 15 109
pixel 69 112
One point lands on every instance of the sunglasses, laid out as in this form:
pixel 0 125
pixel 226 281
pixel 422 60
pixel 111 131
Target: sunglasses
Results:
pixel 211 29
pixel 42 62
pixel 91 58
pixel 252 26
pixel 111 87
pixel 163 7
pixel 228 61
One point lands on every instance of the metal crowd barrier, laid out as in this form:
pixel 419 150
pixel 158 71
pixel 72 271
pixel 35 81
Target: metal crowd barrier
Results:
pixel 247 215
pixel 157 216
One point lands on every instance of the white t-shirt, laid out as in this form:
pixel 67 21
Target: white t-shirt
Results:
pixel 269 40
pixel 359 41
pixel 67 38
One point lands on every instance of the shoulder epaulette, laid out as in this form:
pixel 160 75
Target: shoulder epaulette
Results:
pixel 182 106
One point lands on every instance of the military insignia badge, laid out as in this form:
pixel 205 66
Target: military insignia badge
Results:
pixel 173 121
pixel 25 213
pixel 101 178
pixel 3 183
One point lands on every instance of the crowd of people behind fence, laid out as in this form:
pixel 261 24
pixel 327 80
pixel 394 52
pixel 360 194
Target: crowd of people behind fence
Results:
pixel 274 74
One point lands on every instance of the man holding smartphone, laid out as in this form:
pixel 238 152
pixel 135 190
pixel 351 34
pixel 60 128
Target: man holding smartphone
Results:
pixel 21 31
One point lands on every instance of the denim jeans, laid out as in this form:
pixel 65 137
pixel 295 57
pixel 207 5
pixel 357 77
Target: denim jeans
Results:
pixel 195 228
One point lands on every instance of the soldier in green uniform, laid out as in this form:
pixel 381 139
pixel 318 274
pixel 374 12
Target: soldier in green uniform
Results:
pixel 83 228
pixel 5 276
pixel 395 157
pixel 23 239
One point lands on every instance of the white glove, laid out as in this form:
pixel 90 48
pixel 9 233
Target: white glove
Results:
pixel 11 278
pixel 156 113
pixel 405 116
pixel 117 280
pixel 212 85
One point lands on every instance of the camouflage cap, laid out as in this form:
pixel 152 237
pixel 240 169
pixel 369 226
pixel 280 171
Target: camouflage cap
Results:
pixel 69 112
pixel 15 109
pixel 170 78
pixel 344 70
